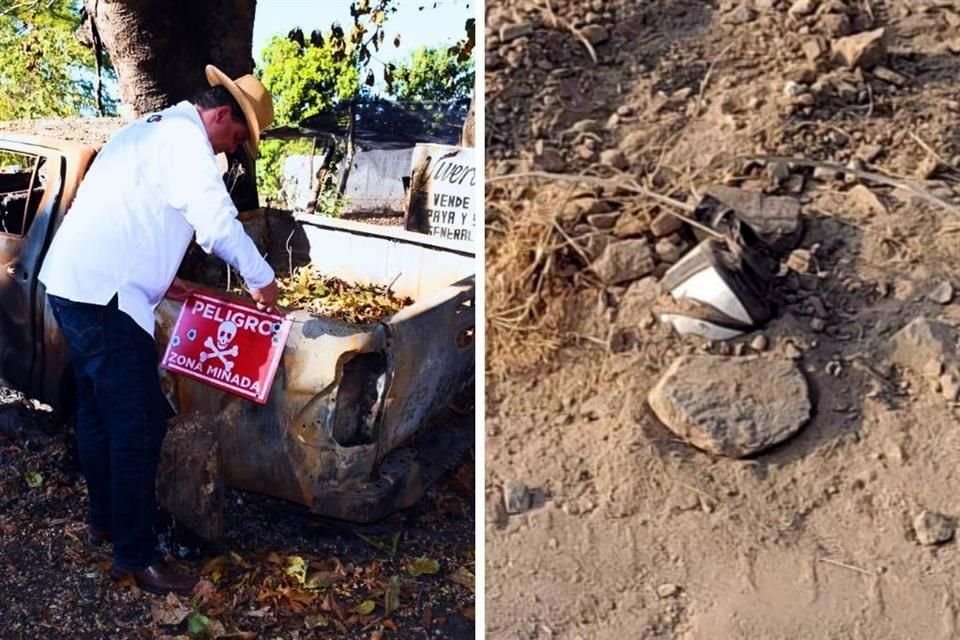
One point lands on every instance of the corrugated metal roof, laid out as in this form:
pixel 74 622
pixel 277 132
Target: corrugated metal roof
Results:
pixel 383 124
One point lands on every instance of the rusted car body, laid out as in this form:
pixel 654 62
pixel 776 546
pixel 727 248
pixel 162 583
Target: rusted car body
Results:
pixel 348 429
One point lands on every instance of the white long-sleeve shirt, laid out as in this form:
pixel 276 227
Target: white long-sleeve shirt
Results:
pixel 152 188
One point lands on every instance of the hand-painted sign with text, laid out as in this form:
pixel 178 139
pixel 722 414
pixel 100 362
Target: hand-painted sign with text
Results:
pixel 442 200
pixel 227 345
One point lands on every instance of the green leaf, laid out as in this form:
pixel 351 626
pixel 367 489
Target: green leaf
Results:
pixel 34 479
pixel 297 568
pixel 423 565
pixel 391 596
pixel 365 608
pixel 433 74
pixel 197 623
pixel 315 621
pixel 387 544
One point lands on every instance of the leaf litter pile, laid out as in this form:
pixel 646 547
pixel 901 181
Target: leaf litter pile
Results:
pixel 279 573
pixel 308 289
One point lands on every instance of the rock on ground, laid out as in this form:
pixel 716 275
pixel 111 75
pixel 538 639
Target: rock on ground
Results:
pixel 516 497
pixel 624 261
pixel 865 50
pixel 732 406
pixel 922 342
pixel 933 528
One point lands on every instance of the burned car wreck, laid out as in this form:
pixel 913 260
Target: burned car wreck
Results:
pixel 349 428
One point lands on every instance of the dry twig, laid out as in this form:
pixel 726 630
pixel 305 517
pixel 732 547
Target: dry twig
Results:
pixel 559 22
pixel 873 176
pixel 844 565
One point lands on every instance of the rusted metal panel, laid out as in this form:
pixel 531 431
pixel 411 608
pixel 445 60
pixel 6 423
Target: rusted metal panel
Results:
pixel 432 351
pixel 31 356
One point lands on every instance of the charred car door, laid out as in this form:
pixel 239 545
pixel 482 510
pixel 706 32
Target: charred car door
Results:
pixel 31 179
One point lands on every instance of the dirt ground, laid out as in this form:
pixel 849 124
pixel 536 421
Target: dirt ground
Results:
pixel 278 573
pixel 633 533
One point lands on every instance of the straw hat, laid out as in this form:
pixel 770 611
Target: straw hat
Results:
pixel 253 98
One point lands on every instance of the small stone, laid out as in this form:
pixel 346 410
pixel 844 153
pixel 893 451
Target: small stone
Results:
pixel 668 590
pixel 516 497
pixel 869 152
pixel 623 261
pixel 552 161
pixel 665 224
pixel 933 528
pixel 942 293
pixel 760 343
pixel 922 341
pixel 792 89
pixel 586 152
pixel 778 171
pixel 890 76
pixel 865 50
pixel 815 49
pixel 826 175
pixel 579 208
pixel 510 32
pixel 633 307
pixel 602 221
pixel 631 225
pixel 625 111
pixel 800 260
pixel 817 324
pixel 587 125
pixel 669 251
pixel 950 385
pixel 802 8
pixel 595 34
pixel 614 158
pixel 805 100
pixel 866 201
pixel 742 14
pixel 846 91
pixel 836 25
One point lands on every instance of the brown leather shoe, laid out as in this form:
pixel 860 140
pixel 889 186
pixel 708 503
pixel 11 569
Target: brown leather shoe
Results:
pixel 97 537
pixel 159 578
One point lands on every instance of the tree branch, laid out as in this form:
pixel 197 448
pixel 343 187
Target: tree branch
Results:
pixel 26 4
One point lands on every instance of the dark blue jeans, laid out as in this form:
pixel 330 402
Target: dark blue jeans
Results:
pixel 121 422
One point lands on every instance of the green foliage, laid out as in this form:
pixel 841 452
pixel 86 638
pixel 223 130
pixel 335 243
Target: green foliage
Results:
pixel 304 79
pixel 368 31
pixel 44 70
pixel 433 75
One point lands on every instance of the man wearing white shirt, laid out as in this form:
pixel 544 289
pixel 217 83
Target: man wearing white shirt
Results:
pixel 153 188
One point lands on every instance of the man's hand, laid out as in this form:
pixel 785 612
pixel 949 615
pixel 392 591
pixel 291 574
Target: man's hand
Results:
pixel 266 297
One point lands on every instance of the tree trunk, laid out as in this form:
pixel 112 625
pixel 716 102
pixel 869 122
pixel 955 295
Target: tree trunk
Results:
pixel 467 136
pixel 189 478
pixel 159 48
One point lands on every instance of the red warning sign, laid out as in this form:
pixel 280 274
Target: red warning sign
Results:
pixel 230 346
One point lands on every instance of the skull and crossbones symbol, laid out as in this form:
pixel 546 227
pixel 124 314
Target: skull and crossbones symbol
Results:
pixel 225 335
